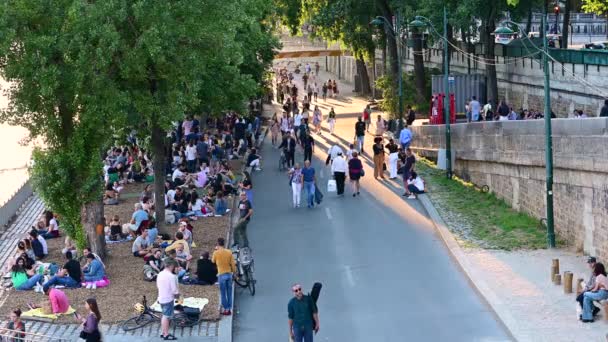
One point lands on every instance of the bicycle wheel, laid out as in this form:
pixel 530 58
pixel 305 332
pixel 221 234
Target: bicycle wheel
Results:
pixel 137 322
pixel 251 281
pixel 182 320
pixel 242 280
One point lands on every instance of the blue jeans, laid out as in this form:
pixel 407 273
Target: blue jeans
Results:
pixel 404 146
pixel 360 141
pixel 64 281
pixel 310 193
pixel 302 335
pixel 413 189
pixel 30 283
pixel 588 299
pixel 152 234
pixel 225 281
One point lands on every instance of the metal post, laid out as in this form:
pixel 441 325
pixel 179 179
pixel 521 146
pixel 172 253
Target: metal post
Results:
pixel 548 143
pixel 446 98
pixel 400 71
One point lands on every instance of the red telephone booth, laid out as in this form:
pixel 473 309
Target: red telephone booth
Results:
pixel 436 116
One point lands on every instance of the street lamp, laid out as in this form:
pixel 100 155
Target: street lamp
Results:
pixel 420 22
pixel 548 133
pixel 380 21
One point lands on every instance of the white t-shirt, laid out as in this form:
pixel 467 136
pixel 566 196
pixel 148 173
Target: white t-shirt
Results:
pixel 297 120
pixel 475 107
pixel 171 195
pixel 417 182
pixel 339 165
pixel 45 248
pixel 166 282
pixel 53 225
pixel 177 174
pixel 333 151
pixel 190 152
pixel 197 205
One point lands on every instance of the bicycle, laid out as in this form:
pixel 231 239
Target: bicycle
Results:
pixel 147 315
pixel 244 265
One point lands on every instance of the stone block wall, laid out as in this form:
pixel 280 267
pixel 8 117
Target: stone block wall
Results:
pixel 509 157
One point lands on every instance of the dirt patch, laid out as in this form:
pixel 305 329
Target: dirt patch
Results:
pixel 126 272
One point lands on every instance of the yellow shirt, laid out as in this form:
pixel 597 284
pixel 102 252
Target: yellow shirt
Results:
pixel 176 244
pixel 224 261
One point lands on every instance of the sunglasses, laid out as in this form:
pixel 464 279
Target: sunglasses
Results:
pixel 297 290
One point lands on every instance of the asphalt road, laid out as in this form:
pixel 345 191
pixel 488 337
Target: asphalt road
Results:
pixel 386 275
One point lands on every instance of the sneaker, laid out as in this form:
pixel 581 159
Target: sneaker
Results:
pixel 227 313
pixel 258 169
pixel 412 197
pixel 94 286
pixel 227 210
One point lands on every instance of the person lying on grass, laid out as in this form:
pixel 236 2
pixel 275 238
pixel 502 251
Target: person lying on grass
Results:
pixel 57 303
pixel 141 246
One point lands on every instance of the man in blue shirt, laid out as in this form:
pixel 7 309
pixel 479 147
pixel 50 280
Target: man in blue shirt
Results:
pixel 138 217
pixel 309 183
pixel 475 108
pixel 405 138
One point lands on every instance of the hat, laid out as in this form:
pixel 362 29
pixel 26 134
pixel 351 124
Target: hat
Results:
pixel 591 260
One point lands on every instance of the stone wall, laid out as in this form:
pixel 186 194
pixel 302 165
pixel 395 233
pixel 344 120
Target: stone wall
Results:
pixel 509 157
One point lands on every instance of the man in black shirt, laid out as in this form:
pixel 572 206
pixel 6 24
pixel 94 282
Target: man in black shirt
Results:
pixel 245 213
pixel 289 146
pixel 393 156
pixel 360 133
pixel 411 115
pixel 253 160
pixel 239 130
pixel 309 144
pixel 70 276
pixel 206 271
pixel 604 111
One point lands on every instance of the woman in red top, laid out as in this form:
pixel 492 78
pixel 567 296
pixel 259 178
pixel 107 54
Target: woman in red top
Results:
pixel 355 171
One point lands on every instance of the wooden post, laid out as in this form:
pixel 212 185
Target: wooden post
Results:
pixel 555 263
pixel 579 288
pixel 557 279
pixel 554 268
pixel 568 282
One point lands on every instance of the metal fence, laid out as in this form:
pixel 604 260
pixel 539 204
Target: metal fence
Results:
pixel 10 207
pixel 14 335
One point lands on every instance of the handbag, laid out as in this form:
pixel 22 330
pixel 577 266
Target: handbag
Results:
pixel 332 186
pixel 362 172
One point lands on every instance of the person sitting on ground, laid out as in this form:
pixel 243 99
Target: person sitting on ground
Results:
pixel 179 240
pixel 115 232
pixel 186 233
pixel 180 176
pixel 70 276
pixel 221 207
pixel 51 229
pixel 28 251
pixel 152 232
pixel 597 293
pixel 154 265
pixel 24 278
pixel 253 160
pixel 206 271
pixel 69 246
pixel 57 302
pixel 94 270
pixel 182 257
pixel 87 250
pixel 141 247
pixel 110 196
pixel 415 185
pixel 201 176
pixel 148 192
pixel 139 216
pixel 15 328
pixel 37 246
pixel 591 261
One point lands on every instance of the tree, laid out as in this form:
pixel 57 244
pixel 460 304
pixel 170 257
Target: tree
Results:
pixel 58 56
pixel 599 7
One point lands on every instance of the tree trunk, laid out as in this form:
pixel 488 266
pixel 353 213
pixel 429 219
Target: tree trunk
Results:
pixel 467 41
pixel 529 21
pixel 363 77
pixel 384 65
pixel 566 25
pixel 157 143
pixel 391 43
pixel 419 68
pixel 489 26
pixel 93 223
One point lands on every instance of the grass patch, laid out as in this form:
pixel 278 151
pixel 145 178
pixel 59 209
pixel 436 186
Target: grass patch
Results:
pixel 479 219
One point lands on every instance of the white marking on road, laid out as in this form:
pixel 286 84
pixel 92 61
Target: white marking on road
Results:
pixel 349 275
pixel 328 213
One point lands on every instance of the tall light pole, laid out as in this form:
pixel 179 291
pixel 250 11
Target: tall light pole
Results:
pixel 419 22
pixel 395 32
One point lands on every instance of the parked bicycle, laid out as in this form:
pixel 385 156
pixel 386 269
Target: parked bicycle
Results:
pixel 146 316
pixel 244 265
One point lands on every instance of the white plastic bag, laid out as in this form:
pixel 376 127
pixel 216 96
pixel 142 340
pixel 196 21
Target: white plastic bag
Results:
pixel 332 186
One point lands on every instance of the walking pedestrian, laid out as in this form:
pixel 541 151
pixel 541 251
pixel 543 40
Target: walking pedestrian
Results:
pixel 317 66
pixel 317 118
pixel 168 291
pixel 475 108
pixel 335 88
pixel 245 213
pixel 355 171
pixel 604 110
pixel 289 147
pixel 330 88
pixel 315 92
pixel 303 316
pixel 90 324
pixel 308 173
pixel 331 120
pixel 393 157
pixel 338 168
pixel 296 179
pixel 324 89
pixel 378 150
pixel 411 115
pixel 367 117
pixel 247 186
pixel 309 91
pixel 226 270
pixel 308 143
pixel 405 138
pixel 380 126
pixel 360 133
pixel 275 128
pixel 332 153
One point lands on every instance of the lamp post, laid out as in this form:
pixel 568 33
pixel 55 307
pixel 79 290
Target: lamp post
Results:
pixel 419 22
pixel 548 133
pixel 395 31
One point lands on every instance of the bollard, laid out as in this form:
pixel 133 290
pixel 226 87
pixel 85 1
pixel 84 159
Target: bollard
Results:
pixel 557 279
pixel 568 282
pixel 554 271
pixel 579 287
pixel 555 263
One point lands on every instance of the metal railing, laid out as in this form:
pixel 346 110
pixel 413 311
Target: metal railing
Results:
pixel 9 208
pixel 10 335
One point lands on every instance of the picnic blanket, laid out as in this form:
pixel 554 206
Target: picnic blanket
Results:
pixel 191 302
pixel 37 313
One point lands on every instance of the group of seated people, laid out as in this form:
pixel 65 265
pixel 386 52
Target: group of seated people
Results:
pixel 124 165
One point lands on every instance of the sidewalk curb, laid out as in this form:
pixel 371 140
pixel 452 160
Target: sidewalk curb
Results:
pixel 490 297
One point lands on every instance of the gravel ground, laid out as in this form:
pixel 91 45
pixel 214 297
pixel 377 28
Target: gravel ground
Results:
pixel 126 272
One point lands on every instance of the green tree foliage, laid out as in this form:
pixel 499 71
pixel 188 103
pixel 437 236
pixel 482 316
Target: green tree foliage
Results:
pixel 57 54
pixel 595 6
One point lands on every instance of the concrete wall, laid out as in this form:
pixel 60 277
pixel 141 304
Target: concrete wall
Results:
pixel 520 81
pixel 509 157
